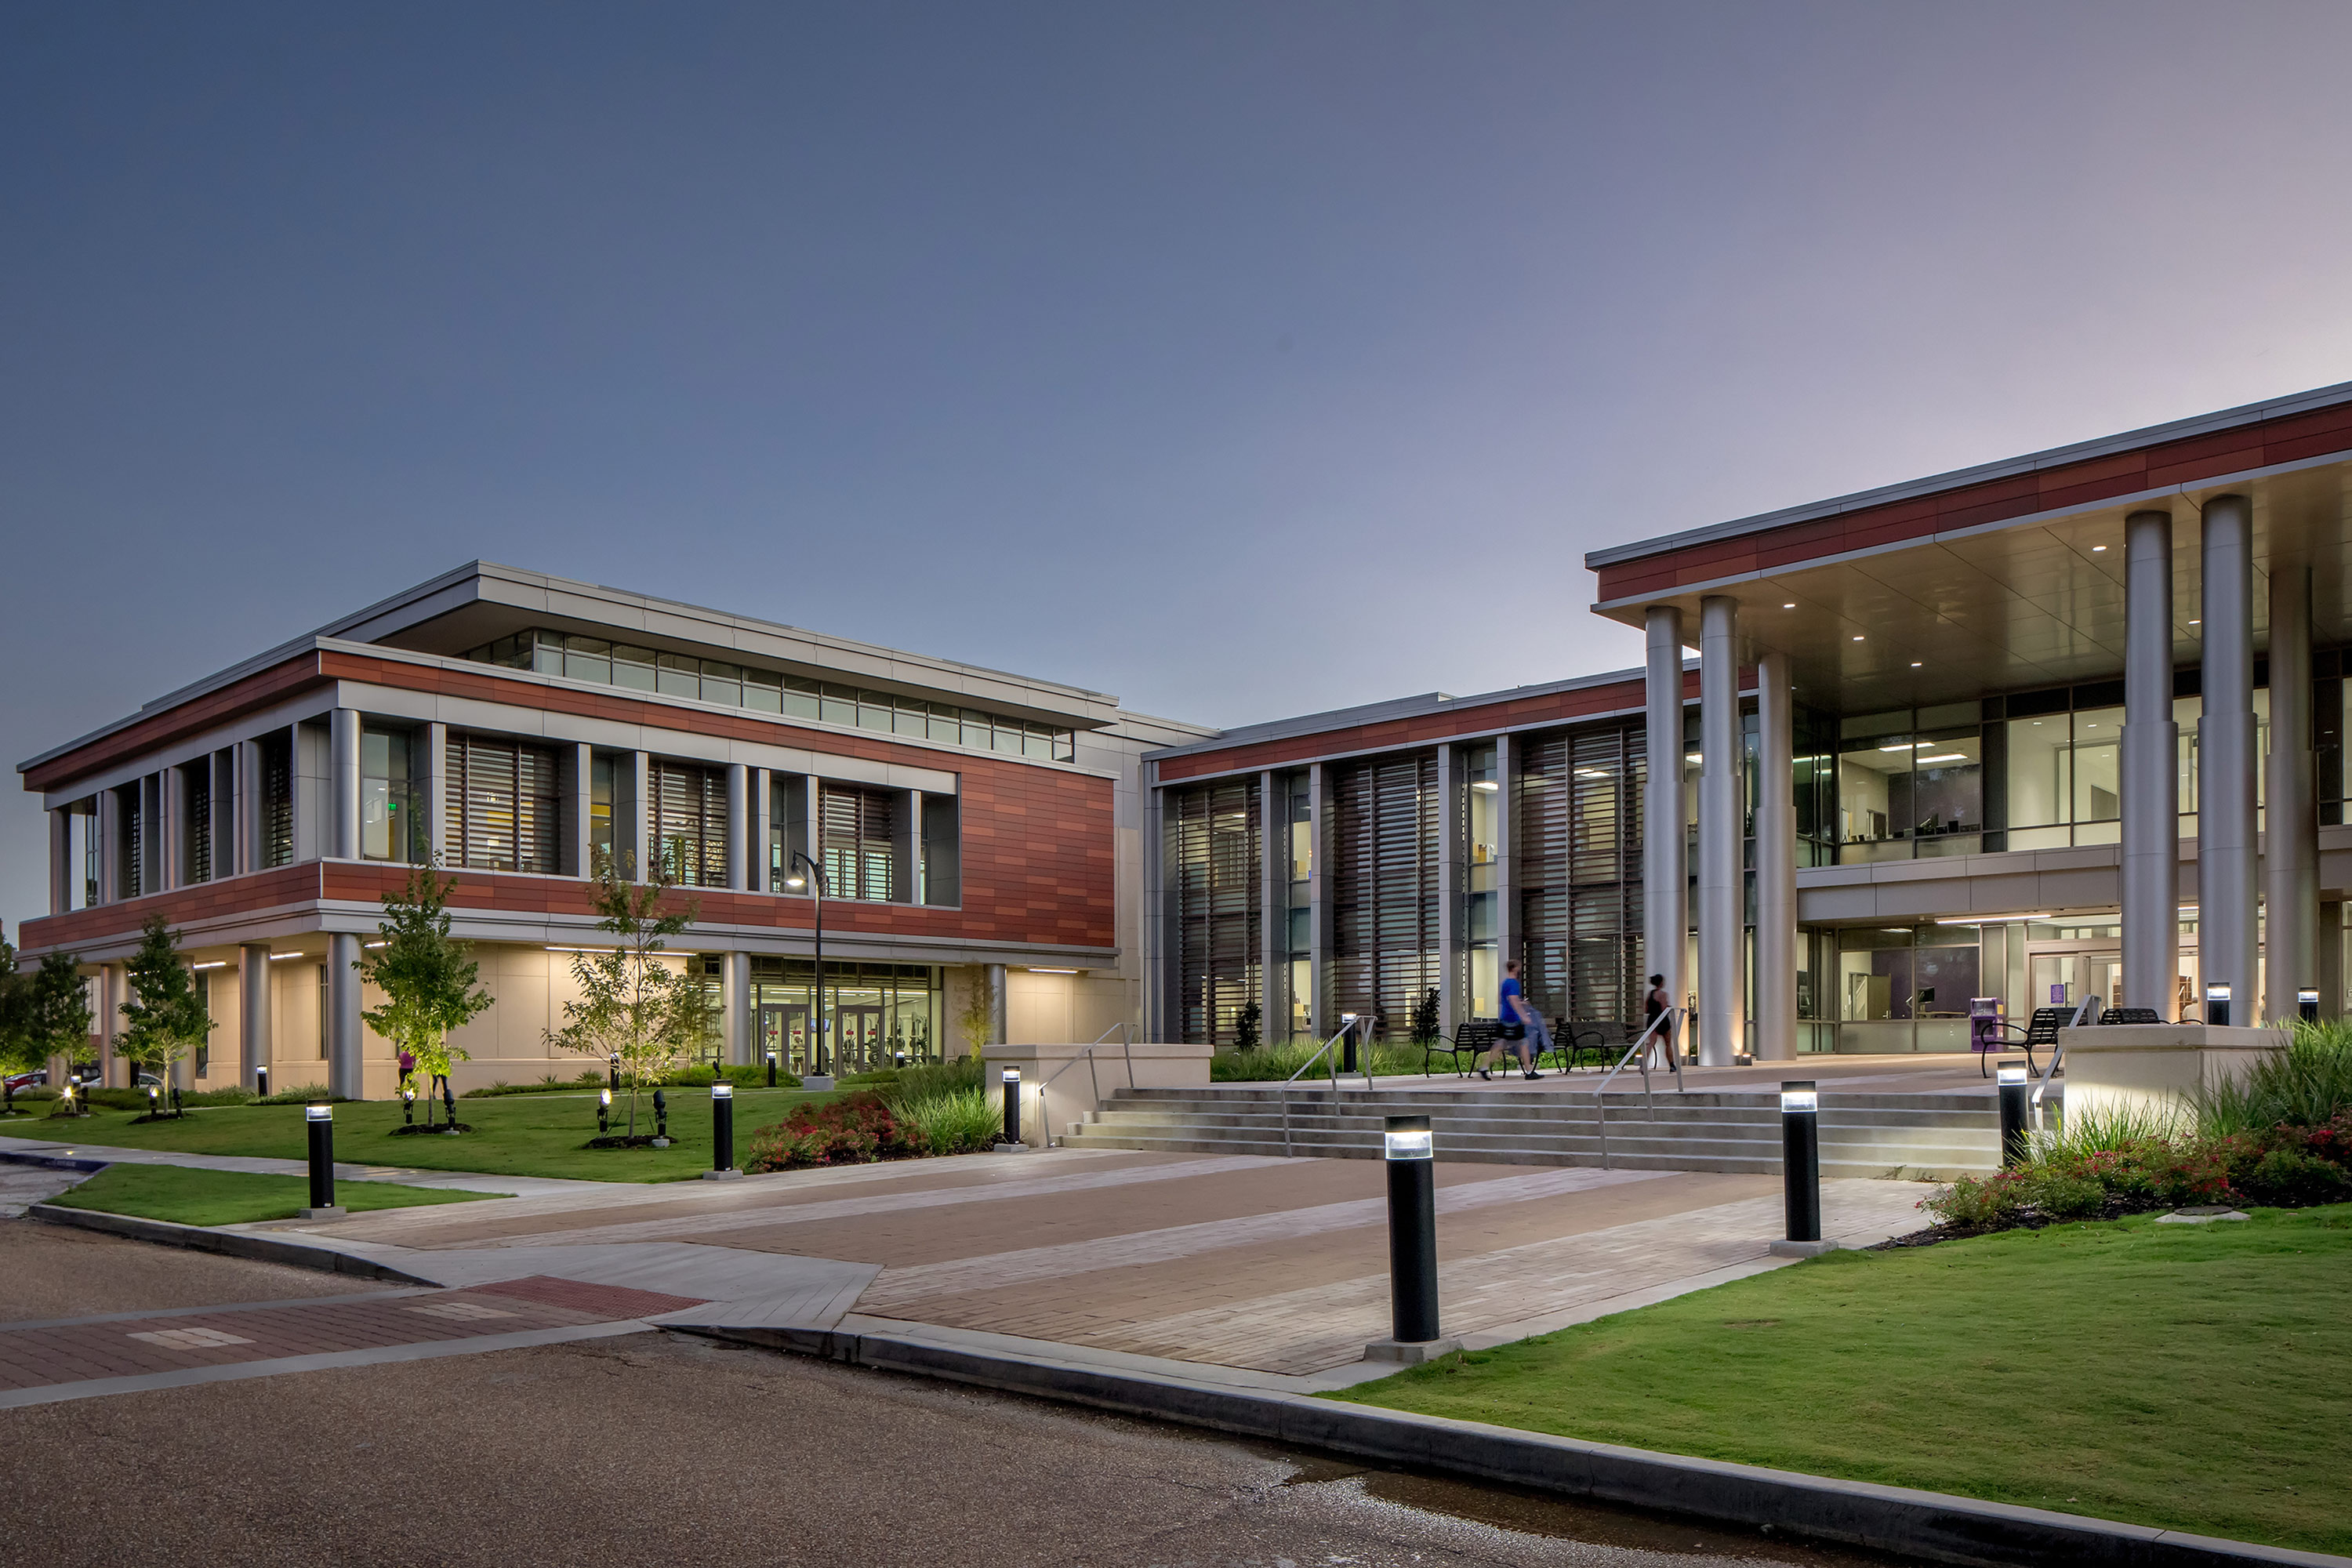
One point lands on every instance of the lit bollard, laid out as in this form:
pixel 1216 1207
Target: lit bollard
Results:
pixel 722 1133
pixel 1800 1171
pixel 318 1120
pixel 1012 1110
pixel 1348 1042
pixel 2216 1003
pixel 2012 1113
pixel 603 1110
pixel 613 1071
pixel 1407 1149
pixel 408 1107
pixel 772 1070
pixel 2307 1003
pixel 261 1083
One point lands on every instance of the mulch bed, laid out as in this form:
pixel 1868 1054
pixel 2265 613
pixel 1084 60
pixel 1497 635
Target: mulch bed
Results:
pixel 419 1130
pixel 623 1140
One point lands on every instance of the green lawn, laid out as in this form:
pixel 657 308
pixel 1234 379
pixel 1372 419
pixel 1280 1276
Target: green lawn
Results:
pixel 189 1196
pixel 515 1134
pixel 2191 1377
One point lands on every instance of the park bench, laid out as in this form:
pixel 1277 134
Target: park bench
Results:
pixel 1474 1038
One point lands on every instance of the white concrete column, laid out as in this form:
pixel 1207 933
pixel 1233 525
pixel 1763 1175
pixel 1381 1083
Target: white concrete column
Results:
pixel 60 861
pixel 1319 1011
pixel 735 1002
pixel 1666 874
pixel 640 829
pixel 2291 814
pixel 1776 861
pixel 763 804
pixel 438 815
pixel 1453 903
pixel 996 1004
pixel 253 1031
pixel 1508 938
pixel 1272 903
pixel 738 825
pixel 2226 848
pixel 248 806
pixel 171 830
pixel 2150 779
pixel 110 827
pixel 343 784
pixel 344 1032
pixel 1722 930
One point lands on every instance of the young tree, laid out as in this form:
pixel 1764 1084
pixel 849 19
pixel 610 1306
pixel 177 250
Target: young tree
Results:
pixel 19 1052
pixel 632 1004
pixel 1424 1018
pixel 166 1016
pixel 428 979
pixel 977 1020
pixel 56 1014
pixel 1245 1027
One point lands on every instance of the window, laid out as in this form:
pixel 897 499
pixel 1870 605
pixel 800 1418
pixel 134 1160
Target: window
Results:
pixel 1384 886
pixel 323 1011
pixel 1212 877
pixel 942 851
pixel 505 798
pixel 130 871
pixel 277 799
pixel 198 777
pixel 1911 783
pixel 787 827
pixel 690 822
pixel 600 811
pixel 1578 854
pixel 391 827
pixel 859 831
pixel 578 657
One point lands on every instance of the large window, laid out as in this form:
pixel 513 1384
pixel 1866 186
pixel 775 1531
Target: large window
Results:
pixel 1580 872
pixel 942 867
pixel 1212 848
pixel 391 827
pixel 1385 886
pixel 196 806
pixel 577 657
pixel 859 830
pixel 690 822
pixel 276 798
pixel 505 795
pixel 1911 783
pixel 880 1015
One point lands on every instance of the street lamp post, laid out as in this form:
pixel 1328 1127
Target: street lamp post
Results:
pixel 815 881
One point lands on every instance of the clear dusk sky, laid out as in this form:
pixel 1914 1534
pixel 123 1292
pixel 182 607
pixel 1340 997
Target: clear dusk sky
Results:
pixel 1242 360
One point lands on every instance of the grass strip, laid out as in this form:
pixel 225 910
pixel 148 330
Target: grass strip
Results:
pixel 515 1135
pixel 189 1196
pixel 2189 1377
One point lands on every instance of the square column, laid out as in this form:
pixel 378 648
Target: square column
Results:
pixel 1665 872
pixel 1776 861
pixel 735 1005
pixel 738 825
pixel 60 861
pixel 2226 848
pixel 1320 1018
pixel 1272 904
pixel 343 786
pixel 1453 903
pixel 2291 847
pixel 253 1032
pixel 1722 958
pixel 763 814
pixel 345 1035
pixel 2150 779
pixel 438 849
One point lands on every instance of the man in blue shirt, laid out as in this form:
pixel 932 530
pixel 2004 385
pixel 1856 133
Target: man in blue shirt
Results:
pixel 1530 1038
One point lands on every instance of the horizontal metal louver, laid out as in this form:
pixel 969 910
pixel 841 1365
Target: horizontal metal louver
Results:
pixel 859 831
pixel 690 822
pixel 277 801
pixel 508 810
pixel 1580 871
pixel 1214 839
pixel 1385 886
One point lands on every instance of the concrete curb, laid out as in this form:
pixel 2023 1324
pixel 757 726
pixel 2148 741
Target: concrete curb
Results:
pixel 53 1162
pixel 1924 1525
pixel 233 1242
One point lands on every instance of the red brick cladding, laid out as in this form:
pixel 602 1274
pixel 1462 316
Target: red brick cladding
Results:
pixel 1038 855
pixel 255 690
pixel 1442 723
pixel 2261 443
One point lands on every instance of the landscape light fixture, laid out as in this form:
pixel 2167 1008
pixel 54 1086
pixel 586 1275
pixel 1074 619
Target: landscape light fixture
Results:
pixel 2307 1003
pixel 1801 1168
pixel 1408 1150
pixel 722 1128
pixel 815 880
pixel 318 1122
pixel 261 1082
pixel 408 1106
pixel 1012 1106
pixel 2216 1003
pixel 2011 1077
pixel 604 1110
pixel 772 1070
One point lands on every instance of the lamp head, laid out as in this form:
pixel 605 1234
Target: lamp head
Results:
pixel 318 1114
pixel 1799 1097
pixel 796 881
pixel 1406 1138
pixel 722 1089
pixel 2010 1073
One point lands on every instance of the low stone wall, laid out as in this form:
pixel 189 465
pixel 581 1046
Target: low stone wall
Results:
pixel 1062 1083
pixel 2155 1068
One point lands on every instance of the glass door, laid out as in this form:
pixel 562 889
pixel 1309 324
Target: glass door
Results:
pixel 783 1029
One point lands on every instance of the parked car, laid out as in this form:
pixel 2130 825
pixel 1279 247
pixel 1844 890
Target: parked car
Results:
pixel 16 1082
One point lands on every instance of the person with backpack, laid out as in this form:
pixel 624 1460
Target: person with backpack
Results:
pixel 1518 1024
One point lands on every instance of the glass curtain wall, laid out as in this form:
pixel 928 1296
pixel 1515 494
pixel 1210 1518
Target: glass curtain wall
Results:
pixel 1385 886
pixel 1299 912
pixel 883 1014
pixel 197 812
pixel 1485 799
pixel 1580 872
pixel 391 828
pixel 1905 988
pixel 1910 784
pixel 1212 860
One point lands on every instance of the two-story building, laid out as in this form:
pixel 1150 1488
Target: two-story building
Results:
pixel 967 828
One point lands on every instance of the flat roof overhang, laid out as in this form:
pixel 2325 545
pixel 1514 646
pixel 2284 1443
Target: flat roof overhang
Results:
pixel 2028 601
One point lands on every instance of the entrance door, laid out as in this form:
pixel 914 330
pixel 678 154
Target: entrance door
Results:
pixel 2063 979
pixel 783 1029
pixel 858 1028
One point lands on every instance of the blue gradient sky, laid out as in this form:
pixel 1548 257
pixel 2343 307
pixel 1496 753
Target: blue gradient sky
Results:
pixel 1240 359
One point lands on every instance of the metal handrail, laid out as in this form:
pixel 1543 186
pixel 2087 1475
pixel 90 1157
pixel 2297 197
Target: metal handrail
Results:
pixel 1354 1022
pixel 1642 1045
pixel 2058 1053
pixel 1126 1033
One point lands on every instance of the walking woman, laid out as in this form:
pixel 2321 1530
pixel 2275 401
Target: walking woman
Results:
pixel 1521 1025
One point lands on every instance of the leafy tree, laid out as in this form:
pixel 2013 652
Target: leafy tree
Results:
pixel 1424 1018
pixel 1245 1035
pixel 632 1004
pixel 977 1020
pixel 56 1014
pixel 428 980
pixel 19 1052
pixel 166 1016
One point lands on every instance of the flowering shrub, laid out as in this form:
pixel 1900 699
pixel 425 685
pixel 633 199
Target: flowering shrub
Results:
pixel 854 1131
pixel 2284 1166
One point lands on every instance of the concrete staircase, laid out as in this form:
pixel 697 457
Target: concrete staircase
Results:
pixel 1861 1135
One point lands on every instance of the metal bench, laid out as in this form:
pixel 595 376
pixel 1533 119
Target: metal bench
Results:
pixel 1474 1038
pixel 2042 1030
pixel 2133 1015
pixel 1573 1041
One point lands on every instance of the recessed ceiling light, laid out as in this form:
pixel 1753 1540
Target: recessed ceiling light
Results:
pixel 2197 623
pixel 2097 548
pixel 1914 664
pixel 1857 637
pixel 1788 606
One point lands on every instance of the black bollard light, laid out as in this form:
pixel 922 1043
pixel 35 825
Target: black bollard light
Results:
pixel 1348 1042
pixel 261 1083
pixel 613 1071
pixel 1407 1148
pixel 176 1108
pixel 1011 1105
pixel 2307 1003
pixel 661 1116
pixel 408 1107
pixel 1800 1169
pixel 604 1110
pixel 153 1109
pixel 722 1127
pixel 772 1070
pixel 318 1120
pixel 2216 1003
pixel 449 1101
pixel 2013 1077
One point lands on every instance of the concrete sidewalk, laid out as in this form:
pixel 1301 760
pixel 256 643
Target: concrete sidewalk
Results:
pixel 37 1151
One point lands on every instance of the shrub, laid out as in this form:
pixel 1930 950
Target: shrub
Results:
pixel 855 1130
pixel 1977 1202
pixel 956 1121
pixel 2065 1194
pixel 2309 1084
pixel 302 1094
pixel 229 1094
pixel 903 1086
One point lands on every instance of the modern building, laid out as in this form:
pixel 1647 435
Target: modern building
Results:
pixel 2069 725
pixel 972 829
pixel 2066 725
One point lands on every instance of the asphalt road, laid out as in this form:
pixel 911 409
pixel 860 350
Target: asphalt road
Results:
pixel 650 1448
